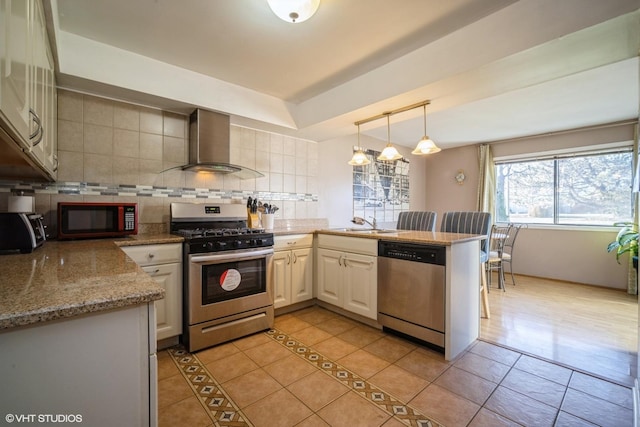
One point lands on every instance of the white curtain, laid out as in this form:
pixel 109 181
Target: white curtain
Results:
pixel 486 180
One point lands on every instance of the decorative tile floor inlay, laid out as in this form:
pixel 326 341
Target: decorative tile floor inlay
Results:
pixel 224 412
pixel 393 406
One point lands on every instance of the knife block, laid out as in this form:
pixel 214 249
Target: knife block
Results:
pixel 253 220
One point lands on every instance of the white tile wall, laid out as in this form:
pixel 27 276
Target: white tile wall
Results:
pixel 111 142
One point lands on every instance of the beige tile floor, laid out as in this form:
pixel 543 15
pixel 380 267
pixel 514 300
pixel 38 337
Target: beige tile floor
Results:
pixel 317 368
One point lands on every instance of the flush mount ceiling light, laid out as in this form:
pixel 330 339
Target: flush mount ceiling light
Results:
pixel 425 145
pixel 294 11
pixel 359 157
pixel 389 153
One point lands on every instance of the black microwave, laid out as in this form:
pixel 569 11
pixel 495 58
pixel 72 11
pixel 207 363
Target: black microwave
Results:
pixel 77 220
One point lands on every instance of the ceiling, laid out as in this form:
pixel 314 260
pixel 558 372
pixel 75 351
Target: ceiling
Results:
pixel 493 69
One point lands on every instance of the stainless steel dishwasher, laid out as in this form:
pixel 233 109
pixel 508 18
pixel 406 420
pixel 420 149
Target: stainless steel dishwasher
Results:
pixel 411 290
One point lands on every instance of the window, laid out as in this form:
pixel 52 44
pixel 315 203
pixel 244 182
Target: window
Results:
pixel 381 188
pixel 580 189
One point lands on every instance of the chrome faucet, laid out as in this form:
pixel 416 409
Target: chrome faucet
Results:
pixel 361 221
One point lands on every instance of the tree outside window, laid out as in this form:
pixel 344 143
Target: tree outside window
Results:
pixel 587 189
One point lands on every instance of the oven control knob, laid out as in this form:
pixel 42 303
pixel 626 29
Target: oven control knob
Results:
pixel 236 243
pixel 219 245
pixel 252 242
pixel 210 246
pixel 258 242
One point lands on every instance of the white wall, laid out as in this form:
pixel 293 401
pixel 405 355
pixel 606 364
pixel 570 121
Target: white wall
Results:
pixel 575 255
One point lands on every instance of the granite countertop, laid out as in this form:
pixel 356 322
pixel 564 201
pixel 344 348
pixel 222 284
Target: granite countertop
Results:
pixel 148 239
pixel 422 237
pixel 292 230
pixel 68 278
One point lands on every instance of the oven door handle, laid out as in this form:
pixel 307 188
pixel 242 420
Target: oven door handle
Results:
pixel 224 257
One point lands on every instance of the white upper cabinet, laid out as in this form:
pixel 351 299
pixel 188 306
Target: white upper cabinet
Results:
pixel 15 66
pixel 28 106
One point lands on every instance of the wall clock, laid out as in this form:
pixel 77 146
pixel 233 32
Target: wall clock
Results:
pixel 460 177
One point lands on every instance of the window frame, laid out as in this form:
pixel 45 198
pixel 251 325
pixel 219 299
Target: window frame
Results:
pixel 627 147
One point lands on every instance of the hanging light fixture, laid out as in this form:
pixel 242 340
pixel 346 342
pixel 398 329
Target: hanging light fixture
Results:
pixel 359 157
pixel 389 153
pixel 294 11
pixel 425 145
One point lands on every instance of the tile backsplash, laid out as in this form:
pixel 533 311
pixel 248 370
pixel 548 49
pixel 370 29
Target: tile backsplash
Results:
pixel 114 151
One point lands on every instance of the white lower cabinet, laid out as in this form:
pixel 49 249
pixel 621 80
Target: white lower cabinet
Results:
pixel 292 269
pixel 169 309
pixel 348 273
pixel 97 369
pixel 163 263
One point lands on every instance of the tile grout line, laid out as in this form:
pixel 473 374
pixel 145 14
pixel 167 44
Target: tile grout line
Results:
pixel 219 406
pixel 553 362
pixel 383 400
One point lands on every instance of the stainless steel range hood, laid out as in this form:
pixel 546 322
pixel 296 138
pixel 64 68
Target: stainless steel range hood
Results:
pixel 210 145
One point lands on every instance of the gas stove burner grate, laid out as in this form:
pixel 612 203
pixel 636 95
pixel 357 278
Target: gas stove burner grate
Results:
pixel 217 232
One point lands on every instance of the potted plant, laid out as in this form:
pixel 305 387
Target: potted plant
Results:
pixel 626 241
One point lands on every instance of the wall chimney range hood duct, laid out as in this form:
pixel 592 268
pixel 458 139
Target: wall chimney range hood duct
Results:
pixel 210 146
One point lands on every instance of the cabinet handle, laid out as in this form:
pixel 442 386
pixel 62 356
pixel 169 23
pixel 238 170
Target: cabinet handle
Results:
pixel 295 258
pixel 156 271
pixel 288 259
pixel 345 261
pixel 39 130
pixel 55 159
pixel 151 255
pixel 291 243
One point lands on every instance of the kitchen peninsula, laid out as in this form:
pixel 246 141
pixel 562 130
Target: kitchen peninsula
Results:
pixel 461 295
pixel 78 310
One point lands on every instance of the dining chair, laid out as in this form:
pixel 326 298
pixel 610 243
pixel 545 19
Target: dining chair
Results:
pixel 473 222
pixel 508 246
pixel 499 235
pixel 417 220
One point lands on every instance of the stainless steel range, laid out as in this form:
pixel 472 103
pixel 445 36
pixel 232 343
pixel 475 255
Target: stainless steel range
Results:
pixel 227 273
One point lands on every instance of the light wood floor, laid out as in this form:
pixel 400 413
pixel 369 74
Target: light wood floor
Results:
pixel 583 327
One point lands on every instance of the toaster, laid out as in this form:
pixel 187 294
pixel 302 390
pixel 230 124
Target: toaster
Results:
pixel 22 232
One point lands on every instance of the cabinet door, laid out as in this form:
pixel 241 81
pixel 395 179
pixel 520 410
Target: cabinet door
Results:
pixel 169 309
pixel 38 80
pixel 301 275
pixel 51 120
pixel 361 285
pixel 281 278
pixel 50 142
pixel 14 66
pixel 330 276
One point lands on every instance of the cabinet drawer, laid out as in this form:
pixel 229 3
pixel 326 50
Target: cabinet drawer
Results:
pixel 154 254
pixel 293 241
pixel 361 245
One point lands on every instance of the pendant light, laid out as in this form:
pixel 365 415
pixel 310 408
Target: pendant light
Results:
pixel 294 11
pixel 425 145
pixel 359 157
pixel 389 153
